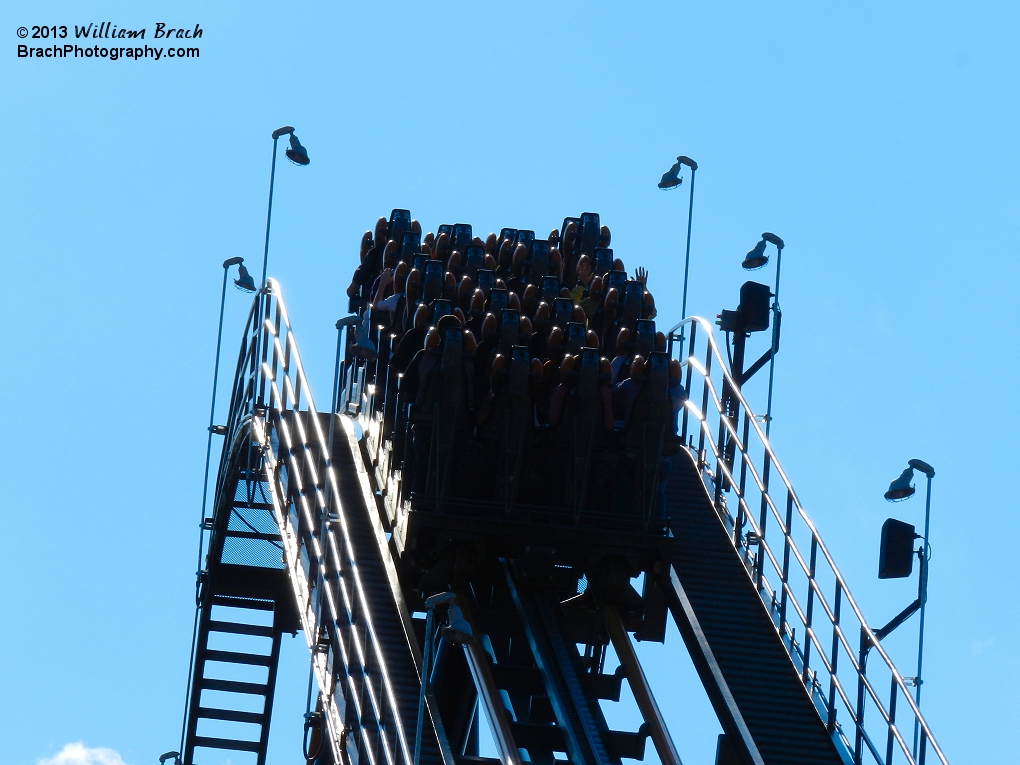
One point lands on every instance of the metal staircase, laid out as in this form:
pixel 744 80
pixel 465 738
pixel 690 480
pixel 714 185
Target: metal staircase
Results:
pixel 312 531
pixel 244 607
pixel 747 497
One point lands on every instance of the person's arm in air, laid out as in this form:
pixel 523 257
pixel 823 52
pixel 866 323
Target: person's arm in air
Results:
pixel 379 288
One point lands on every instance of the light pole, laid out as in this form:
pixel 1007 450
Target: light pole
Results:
pixel 244 283
pixel 899 490
pixel 755 259
pixel 896 561
pixel 457 630
pixel 299 156
pixel 670 180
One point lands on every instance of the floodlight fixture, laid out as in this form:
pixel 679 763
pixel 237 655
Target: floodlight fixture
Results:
pixel 297 153
pixel 901 488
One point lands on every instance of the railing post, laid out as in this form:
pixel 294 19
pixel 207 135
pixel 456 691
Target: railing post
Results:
pixel 862 662
pixel 808 632
pixel 258 389
pixel 704 396
pixel 892 722
pixel 784 594
pixel 762 520
pixel 739 520
pixel 834 656
pixel 298 378
pixel 687 382
pixel 264 394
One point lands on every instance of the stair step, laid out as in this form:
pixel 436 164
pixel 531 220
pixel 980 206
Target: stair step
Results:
pixel 237 628
pixel 233 686
pixel 232 715
pixel 227 743
pixel 234 657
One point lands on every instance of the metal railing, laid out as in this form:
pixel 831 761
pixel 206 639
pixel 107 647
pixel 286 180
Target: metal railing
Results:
pixel 869 711
pixel 271 396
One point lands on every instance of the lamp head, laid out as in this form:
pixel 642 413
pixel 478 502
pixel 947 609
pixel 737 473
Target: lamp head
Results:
pixel 756 258
pixel 244 282
pixel 297 153
pixel 458 631
pixel 900 489
pixel 671 178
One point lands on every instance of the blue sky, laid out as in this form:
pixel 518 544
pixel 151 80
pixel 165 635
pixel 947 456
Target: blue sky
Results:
pixel 877 139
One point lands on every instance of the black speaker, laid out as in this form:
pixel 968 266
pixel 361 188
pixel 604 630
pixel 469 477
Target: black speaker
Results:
pixel 896 556
pixel 754 308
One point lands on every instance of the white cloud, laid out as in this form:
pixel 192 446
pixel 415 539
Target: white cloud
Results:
pixel 79 754
pixel 978 647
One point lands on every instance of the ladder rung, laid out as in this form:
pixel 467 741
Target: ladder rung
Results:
pixel 250 603
pixel 234 657
pixel 233 686
pixel 232 715
pixel 241 629
pixel 227 743
pixel 245 505
pixel 240 534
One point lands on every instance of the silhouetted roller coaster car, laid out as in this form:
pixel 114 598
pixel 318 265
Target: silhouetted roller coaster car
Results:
pixel 563 489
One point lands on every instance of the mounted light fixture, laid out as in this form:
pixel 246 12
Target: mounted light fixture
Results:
pixel 244 282
pixel 297 153
pixel 901 488
pixel 897 545
pixel 458 631
pixel 756 258
pixel 671 180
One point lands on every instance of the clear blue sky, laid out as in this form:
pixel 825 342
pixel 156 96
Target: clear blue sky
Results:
pixel 878 140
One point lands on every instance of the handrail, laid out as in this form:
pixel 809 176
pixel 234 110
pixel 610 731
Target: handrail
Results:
pixel 270 384
pixel 744 441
